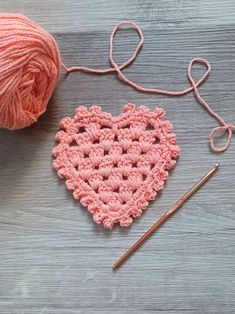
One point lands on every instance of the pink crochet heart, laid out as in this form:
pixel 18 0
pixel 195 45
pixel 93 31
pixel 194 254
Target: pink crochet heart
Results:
pixel 115 165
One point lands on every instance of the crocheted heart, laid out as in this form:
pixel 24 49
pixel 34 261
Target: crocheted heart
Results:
pixel 115 165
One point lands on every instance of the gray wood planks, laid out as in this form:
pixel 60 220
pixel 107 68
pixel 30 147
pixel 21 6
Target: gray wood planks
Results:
pixel 54 259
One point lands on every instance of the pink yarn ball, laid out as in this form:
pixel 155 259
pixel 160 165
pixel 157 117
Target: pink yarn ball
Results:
pixel 29 70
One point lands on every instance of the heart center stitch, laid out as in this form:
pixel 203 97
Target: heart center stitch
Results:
pixel 115 165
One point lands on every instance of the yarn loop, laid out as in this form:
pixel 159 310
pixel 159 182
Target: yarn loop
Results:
pixel 229 128
pixel 193 88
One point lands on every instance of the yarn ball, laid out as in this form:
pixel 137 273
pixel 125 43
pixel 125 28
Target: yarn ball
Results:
pixel 29 70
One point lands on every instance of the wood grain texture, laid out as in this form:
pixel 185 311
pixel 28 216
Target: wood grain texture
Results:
pixel 54 259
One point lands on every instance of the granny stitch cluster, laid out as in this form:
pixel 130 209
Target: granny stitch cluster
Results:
pixel 115 165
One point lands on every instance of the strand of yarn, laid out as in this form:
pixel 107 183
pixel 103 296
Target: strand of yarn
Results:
pixel 224 127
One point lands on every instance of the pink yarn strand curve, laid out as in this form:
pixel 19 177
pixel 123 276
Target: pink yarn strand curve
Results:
pixel 224 127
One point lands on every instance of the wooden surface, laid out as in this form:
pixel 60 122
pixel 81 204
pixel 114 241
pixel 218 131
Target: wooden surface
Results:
pixel 53 258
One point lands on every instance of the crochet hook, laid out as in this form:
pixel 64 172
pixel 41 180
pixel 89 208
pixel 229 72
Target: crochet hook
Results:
pixel 165 217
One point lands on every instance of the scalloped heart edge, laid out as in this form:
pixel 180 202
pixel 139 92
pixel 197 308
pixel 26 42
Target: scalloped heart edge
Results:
pixel 90 199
